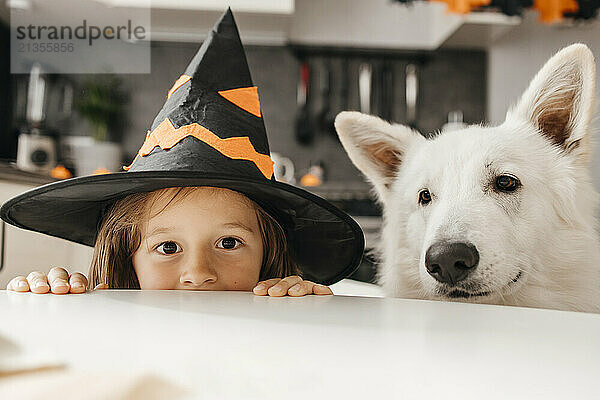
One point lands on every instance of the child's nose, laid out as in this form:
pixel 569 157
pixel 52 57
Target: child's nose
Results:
pixel 198 274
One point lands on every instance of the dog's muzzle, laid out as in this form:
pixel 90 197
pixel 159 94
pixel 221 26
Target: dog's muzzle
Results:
pixel 451 262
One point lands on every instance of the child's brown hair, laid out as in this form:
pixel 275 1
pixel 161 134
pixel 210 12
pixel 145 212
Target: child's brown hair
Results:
pixel 121 230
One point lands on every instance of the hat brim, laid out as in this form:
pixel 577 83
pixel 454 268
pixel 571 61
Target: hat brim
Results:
pixel 327 243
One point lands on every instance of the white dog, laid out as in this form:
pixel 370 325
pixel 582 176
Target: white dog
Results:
pixel 498 215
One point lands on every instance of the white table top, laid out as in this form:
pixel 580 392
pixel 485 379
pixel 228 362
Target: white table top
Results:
pixel 237 345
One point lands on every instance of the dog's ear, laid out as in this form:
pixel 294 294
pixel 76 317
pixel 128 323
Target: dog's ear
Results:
pixel 375 146
pixel 560 100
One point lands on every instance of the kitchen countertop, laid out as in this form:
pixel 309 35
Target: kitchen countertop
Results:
pixel 9 172
pixel 236 345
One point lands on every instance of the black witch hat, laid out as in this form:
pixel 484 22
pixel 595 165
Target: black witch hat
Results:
pixel 210 132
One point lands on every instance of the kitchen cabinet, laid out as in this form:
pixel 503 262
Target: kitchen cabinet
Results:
pixel 26 251
pixel 260 22
pixel 386 24
pixel 381 24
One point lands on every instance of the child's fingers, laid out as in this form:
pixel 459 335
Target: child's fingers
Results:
pixel 292 285
pixel 58 278
pixel 101 286
pixel 281 288
pixel 18 284
pixel 78 283
pixel 307 287
pixel 38 282
pixel 262 287
pixel 58 273
pixel 301 289
pixel 321 290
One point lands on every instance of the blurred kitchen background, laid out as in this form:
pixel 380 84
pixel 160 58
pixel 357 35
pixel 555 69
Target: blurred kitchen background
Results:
pixel 414 63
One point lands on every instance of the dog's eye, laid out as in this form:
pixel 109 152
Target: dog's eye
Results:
pixel 507 183
pixel 424 197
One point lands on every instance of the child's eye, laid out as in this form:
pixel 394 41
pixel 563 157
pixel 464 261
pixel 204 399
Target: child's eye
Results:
pixel 168 248
pixel 228 243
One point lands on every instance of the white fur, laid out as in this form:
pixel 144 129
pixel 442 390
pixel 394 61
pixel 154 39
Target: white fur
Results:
pixel 545 229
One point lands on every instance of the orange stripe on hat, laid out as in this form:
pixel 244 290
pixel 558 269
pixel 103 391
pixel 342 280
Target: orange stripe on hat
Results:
pixel 178 83
pixel 166 136
pixel 245 98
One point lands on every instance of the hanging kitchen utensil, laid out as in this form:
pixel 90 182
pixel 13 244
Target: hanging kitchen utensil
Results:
pixel 364 87
pixel 387 83
pixel 412 89
pixel 343 87
pixel 326 115
pixel 304 128
pixel 374 101
pixel 333 110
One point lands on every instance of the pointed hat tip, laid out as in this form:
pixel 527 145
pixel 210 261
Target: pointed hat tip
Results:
pixel 226 20
pixel 228 14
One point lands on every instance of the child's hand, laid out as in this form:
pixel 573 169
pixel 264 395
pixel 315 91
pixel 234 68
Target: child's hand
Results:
pixel 292 285
pixel 57 281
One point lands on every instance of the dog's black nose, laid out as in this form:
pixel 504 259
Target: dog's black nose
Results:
pixel 451 262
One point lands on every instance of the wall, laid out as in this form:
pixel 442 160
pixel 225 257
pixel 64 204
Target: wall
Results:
pixel 516 57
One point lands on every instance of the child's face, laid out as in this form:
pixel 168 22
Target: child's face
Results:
pixel 207 240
